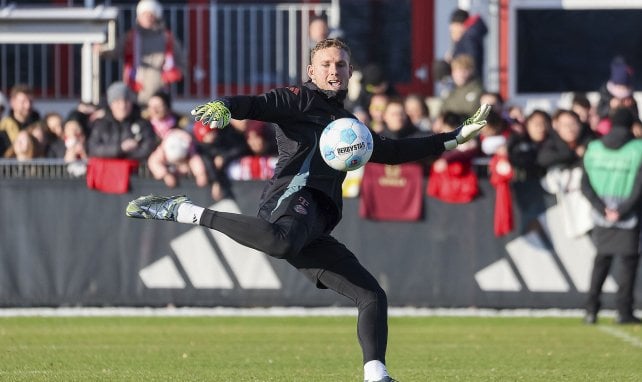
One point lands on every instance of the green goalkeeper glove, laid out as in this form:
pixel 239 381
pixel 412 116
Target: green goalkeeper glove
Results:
pixel 215 113
pixel 470 128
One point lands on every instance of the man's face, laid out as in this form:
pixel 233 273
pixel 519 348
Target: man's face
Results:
pixel 120 109
pixel 330 69
pixel 21 106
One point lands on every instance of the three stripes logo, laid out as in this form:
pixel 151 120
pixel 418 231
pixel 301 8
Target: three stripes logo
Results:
pixel 207 268
pixel 541 268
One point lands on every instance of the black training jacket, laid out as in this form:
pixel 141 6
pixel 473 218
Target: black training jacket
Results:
pixel 301 114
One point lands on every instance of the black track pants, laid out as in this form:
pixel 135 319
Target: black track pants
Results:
pixel 297 232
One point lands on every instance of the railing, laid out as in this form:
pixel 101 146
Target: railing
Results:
pixel 48 168
pixel 230 49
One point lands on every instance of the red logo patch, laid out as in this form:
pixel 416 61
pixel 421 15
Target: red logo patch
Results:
pixel 294 89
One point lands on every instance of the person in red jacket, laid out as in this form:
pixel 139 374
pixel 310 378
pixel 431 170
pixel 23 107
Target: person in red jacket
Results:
pixel 302 203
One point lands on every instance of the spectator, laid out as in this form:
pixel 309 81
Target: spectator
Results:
pixel 561 154
pixel 318 29
pixel 613 185
pixel 376 108
pixel 417 110
pixel 565 145
pixel 75 141
pixel 49 135
pixel 362 115
pixel 21 115
pixel 494 99
pixel 464 98
pixel 616 92
pixel 373 81
pixel 467 34
pixel 160 114
pixel 121 133
pixel 261 161
pixel 24 147
pixel 527 173
pixel 582 107
pixel 396 123
pixel 494 135
pixel 451 177
pixel 177 157
pixel 153 56
pixel 213 146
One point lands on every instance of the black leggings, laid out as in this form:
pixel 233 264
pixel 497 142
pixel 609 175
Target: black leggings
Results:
pixel 297 232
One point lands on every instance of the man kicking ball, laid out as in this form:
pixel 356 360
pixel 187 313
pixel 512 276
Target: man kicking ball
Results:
pixel 302 203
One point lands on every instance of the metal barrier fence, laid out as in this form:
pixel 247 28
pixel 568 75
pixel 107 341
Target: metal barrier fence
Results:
pixel 230 49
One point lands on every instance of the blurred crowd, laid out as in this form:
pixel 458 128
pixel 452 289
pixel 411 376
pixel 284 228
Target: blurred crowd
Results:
pixel 137 120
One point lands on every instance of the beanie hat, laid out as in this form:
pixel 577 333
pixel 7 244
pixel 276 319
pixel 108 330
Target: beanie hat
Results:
pixel 119 90
pixel 622 117
pixel 620 83
pixel 152 6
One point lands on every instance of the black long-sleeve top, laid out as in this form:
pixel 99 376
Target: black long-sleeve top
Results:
pixel 300 115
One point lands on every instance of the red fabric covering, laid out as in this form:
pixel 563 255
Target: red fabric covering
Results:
pixel 457 184
pixel 257 167
pixel 110 175
pixel 501 173
pixel 391 193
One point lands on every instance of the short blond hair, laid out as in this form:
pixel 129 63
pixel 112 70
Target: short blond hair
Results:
pixel 330 43
pixel 463 61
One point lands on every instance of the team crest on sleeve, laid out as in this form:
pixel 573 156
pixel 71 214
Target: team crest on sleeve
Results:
pixel 294 89
pixel 302 206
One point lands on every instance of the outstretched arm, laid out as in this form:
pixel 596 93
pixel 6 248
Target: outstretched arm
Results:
pixel 390 151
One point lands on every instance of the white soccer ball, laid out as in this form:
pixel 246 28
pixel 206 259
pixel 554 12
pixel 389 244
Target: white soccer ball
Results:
pixel 346 144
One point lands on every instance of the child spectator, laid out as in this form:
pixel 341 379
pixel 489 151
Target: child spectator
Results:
pixel 261 162
pixel 75 141
pixel 615 93
pixel 176 157
pixel 464 98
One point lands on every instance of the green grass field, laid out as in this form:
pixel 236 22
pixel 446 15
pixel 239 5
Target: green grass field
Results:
pixel 314 349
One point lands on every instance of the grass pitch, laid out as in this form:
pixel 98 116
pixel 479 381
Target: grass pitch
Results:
pixel 314 349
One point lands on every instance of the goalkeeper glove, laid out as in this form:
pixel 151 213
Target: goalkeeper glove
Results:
pixel 215 113
pixel 470 128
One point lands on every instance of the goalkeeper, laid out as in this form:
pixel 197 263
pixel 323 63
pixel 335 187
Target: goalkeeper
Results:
pixel 302 203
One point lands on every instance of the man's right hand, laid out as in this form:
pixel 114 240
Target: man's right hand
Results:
pixel 215 114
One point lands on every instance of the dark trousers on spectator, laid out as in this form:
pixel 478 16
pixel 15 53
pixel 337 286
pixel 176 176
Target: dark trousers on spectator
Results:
pixel 625 279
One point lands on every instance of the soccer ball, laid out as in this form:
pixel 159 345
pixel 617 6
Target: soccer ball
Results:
pixel 346 144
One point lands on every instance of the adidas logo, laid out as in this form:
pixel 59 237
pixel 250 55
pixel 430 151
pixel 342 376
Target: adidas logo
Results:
pixel 539 269
pixel 207 268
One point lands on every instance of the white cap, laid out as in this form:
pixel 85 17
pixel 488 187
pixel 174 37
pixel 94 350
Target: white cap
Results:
pixel 149 6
